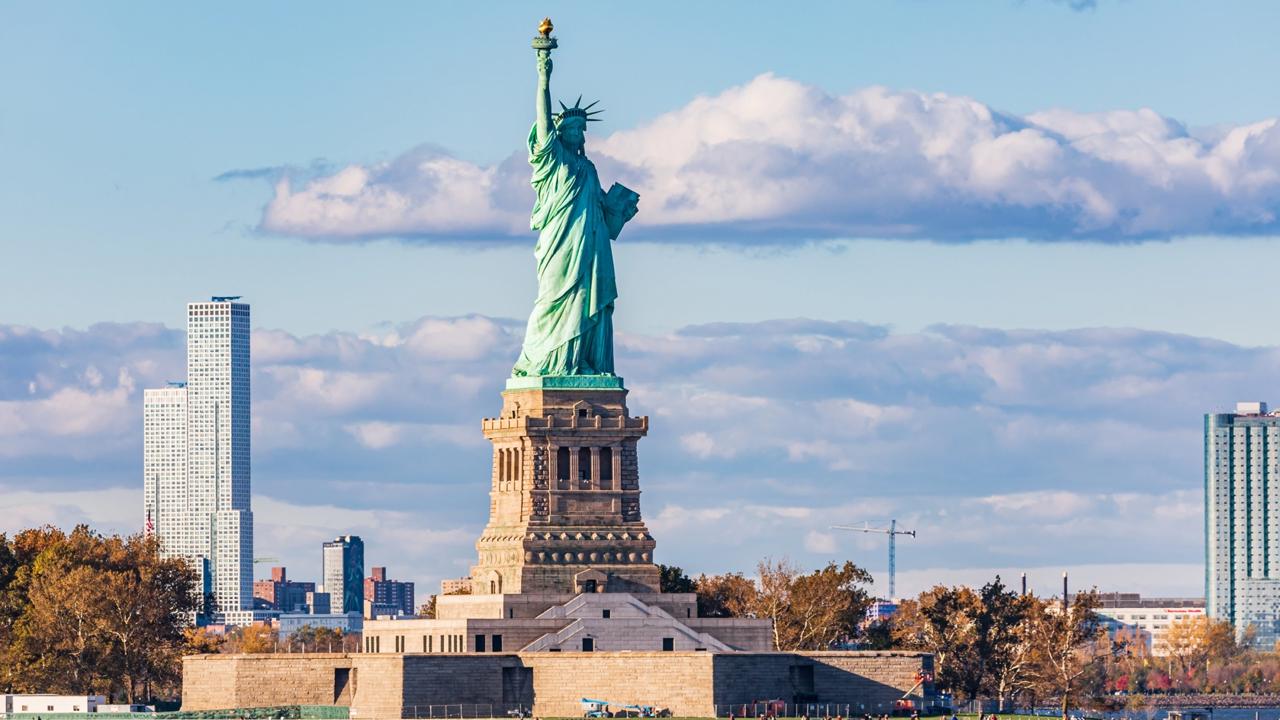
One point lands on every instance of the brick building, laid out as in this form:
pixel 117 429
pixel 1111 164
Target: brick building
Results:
pixel 281 593
pixel 387 597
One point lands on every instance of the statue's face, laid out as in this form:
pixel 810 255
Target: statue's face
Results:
pixel 573 134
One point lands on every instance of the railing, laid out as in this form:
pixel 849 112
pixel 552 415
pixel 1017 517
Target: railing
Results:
pixel 466 710
pixel 550 421
pixel 288 712
pixel 814 711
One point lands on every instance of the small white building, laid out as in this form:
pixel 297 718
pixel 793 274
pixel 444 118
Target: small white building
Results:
pixel 125 708
pixel 37 704
pixel 289 623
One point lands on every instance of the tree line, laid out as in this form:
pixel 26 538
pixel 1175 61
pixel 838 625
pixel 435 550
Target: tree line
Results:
pixel 84 614
pixel 992 643
pixel 997 644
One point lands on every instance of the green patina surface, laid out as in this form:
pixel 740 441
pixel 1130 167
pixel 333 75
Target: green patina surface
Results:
pixel 570 330
pixel 565 382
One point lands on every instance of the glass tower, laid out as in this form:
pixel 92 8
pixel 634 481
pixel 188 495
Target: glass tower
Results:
pixel 343 573
pixel 1242 520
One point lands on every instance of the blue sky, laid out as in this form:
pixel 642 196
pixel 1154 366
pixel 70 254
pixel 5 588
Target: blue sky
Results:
pixel 1038 168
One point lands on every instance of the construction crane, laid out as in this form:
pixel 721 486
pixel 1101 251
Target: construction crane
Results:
pixel 893 532
pixel 259 560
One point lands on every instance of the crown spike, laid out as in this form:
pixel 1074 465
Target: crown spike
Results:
pixel 562 105
pixel 578 111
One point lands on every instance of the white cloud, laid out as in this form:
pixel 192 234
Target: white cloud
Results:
pixel 776 160
pixel 819 542
pixel 1002 448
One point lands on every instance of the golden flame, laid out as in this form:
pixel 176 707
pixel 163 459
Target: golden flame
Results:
pixel 546 27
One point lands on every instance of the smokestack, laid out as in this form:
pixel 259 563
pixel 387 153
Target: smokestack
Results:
pixel 1064 590
pixel 1024 584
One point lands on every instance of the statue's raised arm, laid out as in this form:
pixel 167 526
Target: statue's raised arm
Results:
pixel 543 45
pixel 544 121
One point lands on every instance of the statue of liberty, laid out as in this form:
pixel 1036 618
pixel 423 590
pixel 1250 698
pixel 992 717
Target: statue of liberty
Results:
pixel 570 330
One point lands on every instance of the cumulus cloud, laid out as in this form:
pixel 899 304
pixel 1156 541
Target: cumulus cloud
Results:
pixel 1003 448
pixel 778 161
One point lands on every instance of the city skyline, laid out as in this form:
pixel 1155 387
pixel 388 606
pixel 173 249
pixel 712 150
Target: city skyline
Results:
pixel 985 316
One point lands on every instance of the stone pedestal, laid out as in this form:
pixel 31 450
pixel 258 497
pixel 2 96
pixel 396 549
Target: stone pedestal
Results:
pixel 564 509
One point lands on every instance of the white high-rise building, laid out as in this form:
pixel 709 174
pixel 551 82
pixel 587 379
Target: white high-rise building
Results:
pixel 1242 520
pixel 164 466
pixel 196 458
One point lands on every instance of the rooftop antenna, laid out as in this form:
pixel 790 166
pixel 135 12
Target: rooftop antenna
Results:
pixel 892 531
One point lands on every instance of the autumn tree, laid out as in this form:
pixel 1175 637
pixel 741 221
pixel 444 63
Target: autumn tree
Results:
pixel 82 613
pixel 1065 638
pixel 428 608
pixel 251 639
pixel 309 638
pixel 826 607
pixel 200 641
pixel 727 595
pixel 942 621
pixel 810 611
pixel 1192 643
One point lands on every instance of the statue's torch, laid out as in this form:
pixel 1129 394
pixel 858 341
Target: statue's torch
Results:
pixel 544 41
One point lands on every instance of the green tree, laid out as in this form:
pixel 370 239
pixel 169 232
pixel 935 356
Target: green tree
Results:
pixel 1001 647
pixel 671 579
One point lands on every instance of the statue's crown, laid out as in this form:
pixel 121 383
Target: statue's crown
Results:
pixel 578 111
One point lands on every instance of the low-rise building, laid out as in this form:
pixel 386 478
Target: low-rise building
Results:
pixel 453 586
pixel 40 703
pixel 281 593
pixel 289 623
pixel 881 610
pixel 318 603
pixel 1149 618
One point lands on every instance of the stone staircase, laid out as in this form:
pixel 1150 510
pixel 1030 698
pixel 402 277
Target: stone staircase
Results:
pixel 631 625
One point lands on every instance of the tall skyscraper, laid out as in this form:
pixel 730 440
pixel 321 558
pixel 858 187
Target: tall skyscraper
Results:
pixel 1242 520
pixel 196 457
pixel 343 573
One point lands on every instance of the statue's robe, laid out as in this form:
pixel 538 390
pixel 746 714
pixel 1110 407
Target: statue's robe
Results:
pixel 571 328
